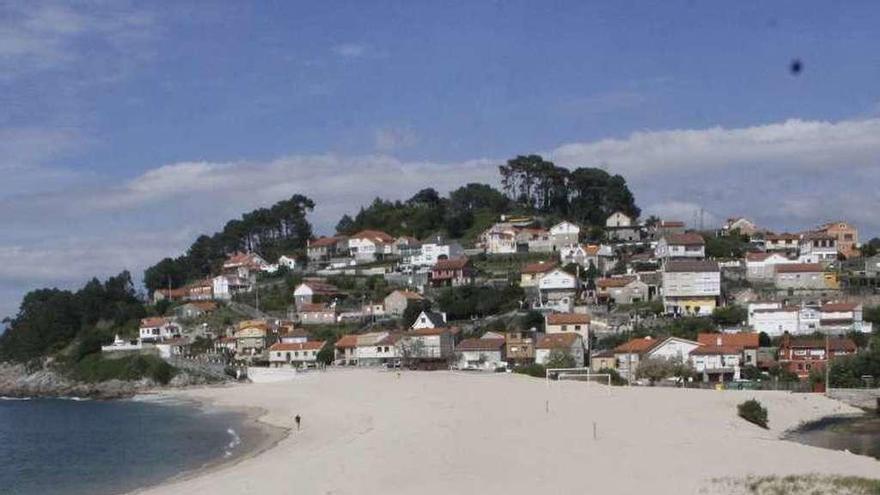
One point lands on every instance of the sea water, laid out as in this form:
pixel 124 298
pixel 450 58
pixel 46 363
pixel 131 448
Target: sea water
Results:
pixel 72 447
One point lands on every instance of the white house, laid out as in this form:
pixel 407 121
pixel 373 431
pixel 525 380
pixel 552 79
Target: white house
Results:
pixel 314 291
pixel 568 343
pixel 762 266
pixel 370 245
pixel 618 219
pixel 429 319
pixel 691 287
pixel 430 253
pixel 564 234
pixel 480 354
pixel 717 363
pixel 681 246
pixel 781 242
pixel 775 321
pixel 288 261
pixel 840 318
pixel 673 348
pixel 499 239
pixel 427 343
pixel 817 247
pixel 294 355
pixel 801 276
pixel 157 329
pixel 558 288
pixel 178 346
pixel 533 240
pixel 578 323
pixel 377 348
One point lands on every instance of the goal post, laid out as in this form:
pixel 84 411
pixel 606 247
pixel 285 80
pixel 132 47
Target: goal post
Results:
pixel 579 374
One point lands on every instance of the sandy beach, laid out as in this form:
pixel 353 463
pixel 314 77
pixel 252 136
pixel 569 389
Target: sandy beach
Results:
pixel 368 431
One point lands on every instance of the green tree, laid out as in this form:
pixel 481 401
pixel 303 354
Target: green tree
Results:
pixel 729 315
pixel 560 359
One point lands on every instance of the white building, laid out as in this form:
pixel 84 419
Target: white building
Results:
pixel 681 246
pixel 717 363
pixel 564 234
pixel 817 247
pixel 158 329
pixel 499 239
pixel 370 245
pixel 568 343
pixel 673 348
pixel 558 289
pixel 775 321
pixel 430 253
pixel 287 261
pixel 691 287
pixel 618 219
pixel 480 354
pixel 762 266
pixel 429 319
pixel 377 348
pixel 578 323
pixel 295 355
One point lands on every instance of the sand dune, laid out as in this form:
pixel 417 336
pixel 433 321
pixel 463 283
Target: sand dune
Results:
pixel 368 431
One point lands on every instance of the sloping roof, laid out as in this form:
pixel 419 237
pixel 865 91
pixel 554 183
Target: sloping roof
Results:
pixel 567 318
pixel 390 339
pixel 717 349
pixel 671 224
pixel 324 241
pixel 839 307
pixel 637 346
pixel 408 294
pixel 557 341
pixel 741 339
pixel 834 344
pixel 452 263
pixel 615 281
pixel 296 332
pixel 349 340
pixel 686 239
pixel 539 267
pixel 480 345
pixel 799 268
pixel 321 288
pixel 758 256
pixel 435 318
pixel 156 321
pixel 299 346
pixel 680 266
pixel 376 236
pixel 424 332
pixel 314 308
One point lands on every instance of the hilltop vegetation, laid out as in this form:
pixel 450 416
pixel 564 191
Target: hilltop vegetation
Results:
pixel 50 320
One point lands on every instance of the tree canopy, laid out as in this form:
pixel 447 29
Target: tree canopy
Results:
pixel 271 232
pixel 48 320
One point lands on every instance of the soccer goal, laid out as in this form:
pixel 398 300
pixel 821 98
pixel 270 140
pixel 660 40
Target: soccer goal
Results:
pixel 577 374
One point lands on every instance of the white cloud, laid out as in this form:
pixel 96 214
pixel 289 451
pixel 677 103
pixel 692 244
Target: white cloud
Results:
pixel 794 144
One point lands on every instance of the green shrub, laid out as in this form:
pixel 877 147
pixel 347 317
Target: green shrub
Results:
pixel 616 379
pixel 95 368
pixel 536 370
pixel 753 412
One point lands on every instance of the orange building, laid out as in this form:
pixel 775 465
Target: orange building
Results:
pixel 847 237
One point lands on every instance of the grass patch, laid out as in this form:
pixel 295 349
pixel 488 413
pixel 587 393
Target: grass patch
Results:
pixel 95 368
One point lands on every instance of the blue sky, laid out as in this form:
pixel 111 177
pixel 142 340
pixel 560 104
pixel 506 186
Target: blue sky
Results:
pixel 127 129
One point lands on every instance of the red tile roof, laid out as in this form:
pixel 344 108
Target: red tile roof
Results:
pixel 350 340
pixel 452 263
pixel 687 239
pixel 637 346
pixel 376 236
pixel 567 318
pixel 684 266
pixel 740 340
pixel 717 349
pixel 671 224
pixel 839 307
pixel 614 282
pixel 299 346
pixel 557 341
pixel 313 308
pixel 325 241
pixel 156 321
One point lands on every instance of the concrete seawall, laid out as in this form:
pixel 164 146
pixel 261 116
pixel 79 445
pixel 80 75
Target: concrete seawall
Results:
pixel 865 398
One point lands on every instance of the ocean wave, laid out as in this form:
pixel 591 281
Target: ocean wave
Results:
pixel 3 397
pixel 233 443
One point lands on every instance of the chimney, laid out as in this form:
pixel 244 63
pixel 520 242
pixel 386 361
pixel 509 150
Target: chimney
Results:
pixel 718 341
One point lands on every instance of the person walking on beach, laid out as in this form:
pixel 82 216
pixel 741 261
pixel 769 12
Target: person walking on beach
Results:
pixel 297 419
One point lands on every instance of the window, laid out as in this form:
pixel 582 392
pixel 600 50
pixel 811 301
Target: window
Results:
pixel 564 327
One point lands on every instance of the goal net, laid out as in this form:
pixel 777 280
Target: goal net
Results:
pixel 577 374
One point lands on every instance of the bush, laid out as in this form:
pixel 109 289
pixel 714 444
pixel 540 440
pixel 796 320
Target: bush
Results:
pixel 95 368
pixel 616 379
pixel 753 412
pixel 536 370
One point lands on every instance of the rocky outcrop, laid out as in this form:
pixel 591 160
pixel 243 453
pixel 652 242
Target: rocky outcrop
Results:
pixel 17 381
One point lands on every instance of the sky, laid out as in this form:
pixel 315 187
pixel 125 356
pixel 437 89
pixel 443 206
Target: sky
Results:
pixel 127 129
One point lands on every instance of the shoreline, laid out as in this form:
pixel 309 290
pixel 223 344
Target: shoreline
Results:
pixel 270 435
